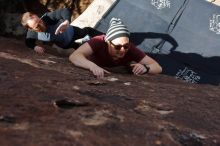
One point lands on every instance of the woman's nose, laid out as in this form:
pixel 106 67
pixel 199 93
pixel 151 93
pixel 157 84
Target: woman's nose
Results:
pixel 122 49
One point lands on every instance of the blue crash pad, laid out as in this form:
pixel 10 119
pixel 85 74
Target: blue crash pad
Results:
pixel 177 36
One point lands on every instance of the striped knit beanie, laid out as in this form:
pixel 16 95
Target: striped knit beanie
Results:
pixel 116 29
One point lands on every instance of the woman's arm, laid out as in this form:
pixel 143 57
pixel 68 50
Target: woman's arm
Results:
pixel 154 67
pixel 80 58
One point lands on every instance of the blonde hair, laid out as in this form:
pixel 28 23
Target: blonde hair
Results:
pixel 25 17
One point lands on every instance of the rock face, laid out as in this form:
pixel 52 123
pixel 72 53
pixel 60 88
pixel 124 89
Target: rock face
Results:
pixel 45 100
pixel 9 15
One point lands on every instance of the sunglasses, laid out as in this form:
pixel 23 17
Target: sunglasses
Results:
pixel 118 47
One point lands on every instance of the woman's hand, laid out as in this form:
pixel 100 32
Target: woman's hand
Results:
pixel 138 69
pixel 98 71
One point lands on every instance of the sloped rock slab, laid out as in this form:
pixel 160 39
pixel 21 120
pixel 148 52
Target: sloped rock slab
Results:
pixel 57 104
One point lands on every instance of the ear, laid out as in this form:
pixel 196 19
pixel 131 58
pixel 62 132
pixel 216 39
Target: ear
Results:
pixel 108 43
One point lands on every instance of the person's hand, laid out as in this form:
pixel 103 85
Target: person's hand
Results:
pixel 98 71
pixel 62 27
pixel 39 49
pixel 138 69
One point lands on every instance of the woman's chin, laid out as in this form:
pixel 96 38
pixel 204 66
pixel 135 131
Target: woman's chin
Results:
pixel 121 55
pixel 118 57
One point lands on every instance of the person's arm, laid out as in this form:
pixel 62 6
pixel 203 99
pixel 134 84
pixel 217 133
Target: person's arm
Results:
pixel 31 38
pixel 60 15
pixel 30 42
pixel 144 64
pixel 80 58
pixel 151 66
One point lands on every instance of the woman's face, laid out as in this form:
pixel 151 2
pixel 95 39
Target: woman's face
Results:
pixel 118 47
pixel 36 24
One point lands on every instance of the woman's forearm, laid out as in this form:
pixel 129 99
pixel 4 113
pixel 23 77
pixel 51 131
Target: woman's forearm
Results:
pixel 81 61
pixel 155 68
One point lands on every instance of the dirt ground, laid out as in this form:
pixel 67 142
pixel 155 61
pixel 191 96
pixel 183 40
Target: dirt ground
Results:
pixel 46 101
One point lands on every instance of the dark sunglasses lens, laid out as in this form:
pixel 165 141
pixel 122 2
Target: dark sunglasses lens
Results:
pixel 118 47
pixel 126 46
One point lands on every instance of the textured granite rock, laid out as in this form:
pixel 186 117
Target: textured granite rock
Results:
pixel 46 101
